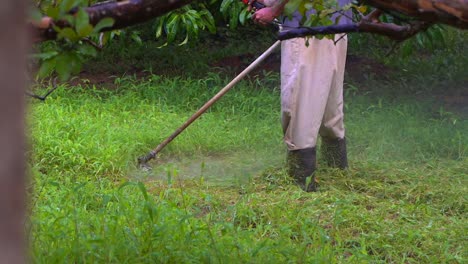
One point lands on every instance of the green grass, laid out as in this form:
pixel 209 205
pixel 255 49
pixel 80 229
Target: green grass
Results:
pixel 219 194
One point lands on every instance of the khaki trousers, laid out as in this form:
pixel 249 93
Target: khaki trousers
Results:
pixel 312 90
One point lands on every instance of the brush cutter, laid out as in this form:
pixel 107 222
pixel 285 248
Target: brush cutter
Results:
pixel 143 161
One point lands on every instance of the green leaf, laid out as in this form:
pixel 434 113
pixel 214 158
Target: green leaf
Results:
pixel 47 67
pixel 53 12
pixel 45 55
pixel 85 31
pixel 87 50
pixel 159 31
pixel 83 28
pixel 225 5
pixel 243 16
pixel 209 21
pixel 185 40
pixel 67 64
pixel 234 19
pixel 292 6
pixel 67 5
pixel 172 27
pixel 62 67
pixel 76 63
pixel 136 37
pixel 69 18
pixel 67 33
pixel 103 23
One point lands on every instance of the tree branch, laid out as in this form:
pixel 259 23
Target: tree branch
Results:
pixel 312 31
pixel 392 31
pixel 427 12
pixel 44 97
pixel 450 12
pixel 125 13
pixel 368 24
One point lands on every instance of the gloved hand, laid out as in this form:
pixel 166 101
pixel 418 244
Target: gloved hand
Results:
pixel 265 15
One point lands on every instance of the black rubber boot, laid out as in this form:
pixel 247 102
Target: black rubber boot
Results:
pixel 334 152
pixel 301 165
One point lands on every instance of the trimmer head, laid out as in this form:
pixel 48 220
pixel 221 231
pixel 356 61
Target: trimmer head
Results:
pixel 143 160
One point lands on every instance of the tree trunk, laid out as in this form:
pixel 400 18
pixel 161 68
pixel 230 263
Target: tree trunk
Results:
pixel 12 142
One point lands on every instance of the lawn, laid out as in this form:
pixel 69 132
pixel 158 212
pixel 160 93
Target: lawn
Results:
pixel 219 193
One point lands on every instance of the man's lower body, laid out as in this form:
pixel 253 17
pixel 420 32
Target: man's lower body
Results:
pixel 312 104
